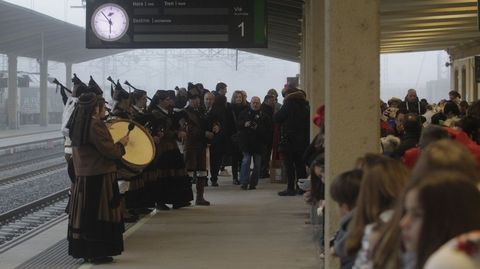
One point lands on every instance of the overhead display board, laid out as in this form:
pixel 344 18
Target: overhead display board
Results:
pixel 176 24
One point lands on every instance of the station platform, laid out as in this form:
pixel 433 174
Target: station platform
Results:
pixel 242 229
pixel 29 137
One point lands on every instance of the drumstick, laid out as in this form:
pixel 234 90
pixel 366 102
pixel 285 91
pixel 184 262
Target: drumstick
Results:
pixel 131 125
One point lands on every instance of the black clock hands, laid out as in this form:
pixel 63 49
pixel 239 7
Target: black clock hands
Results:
pixel 109 21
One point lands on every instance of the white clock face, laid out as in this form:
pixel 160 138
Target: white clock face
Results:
pixel 110 22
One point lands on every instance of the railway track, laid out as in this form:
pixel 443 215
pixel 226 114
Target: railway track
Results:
pixel 32 175
pixel 24 222
pixel 30 161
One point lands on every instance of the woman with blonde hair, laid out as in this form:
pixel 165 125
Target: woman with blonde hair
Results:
pixel 382 183
pixel 238 104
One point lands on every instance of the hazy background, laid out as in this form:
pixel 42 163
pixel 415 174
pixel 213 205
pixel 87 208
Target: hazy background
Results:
pixel 165 69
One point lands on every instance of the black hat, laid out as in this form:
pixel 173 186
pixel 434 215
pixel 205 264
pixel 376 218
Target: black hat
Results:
pixel 93 87
pixel 220 85
pixel 160 95
pixel 137 93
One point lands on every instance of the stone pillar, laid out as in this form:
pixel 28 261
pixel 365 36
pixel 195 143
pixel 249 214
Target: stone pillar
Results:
pixel 12 105
pixel 68 75
pixel 43 92
pixel 352 92
pixel 316 65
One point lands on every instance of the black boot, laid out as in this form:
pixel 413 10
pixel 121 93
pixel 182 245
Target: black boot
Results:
pixel 200 191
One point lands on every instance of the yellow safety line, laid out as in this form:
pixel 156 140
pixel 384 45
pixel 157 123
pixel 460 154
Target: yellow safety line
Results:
pixel 126 234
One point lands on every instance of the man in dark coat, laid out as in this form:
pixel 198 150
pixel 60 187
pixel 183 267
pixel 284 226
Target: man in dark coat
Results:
pixel 412 104
pixel 294 120
pixel 252 125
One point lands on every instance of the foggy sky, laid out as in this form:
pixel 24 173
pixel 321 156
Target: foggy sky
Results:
pixel 399 72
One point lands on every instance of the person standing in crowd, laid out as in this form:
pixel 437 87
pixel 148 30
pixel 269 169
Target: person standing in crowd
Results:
pixel 294 120
pixel 412 129
pixel 172 184
pixel 455 97
pixel 253 126
pixel 277 105
pixel 195 145
pixel 221 144
pixel 95 224
pixel 181 98
pixel 238 104
pixel 267 108
pixel 412 104
pixel 217 142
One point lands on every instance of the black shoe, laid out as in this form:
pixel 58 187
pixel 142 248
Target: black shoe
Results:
pixel 244 187
pixel 252 188
pixel 300 192
pixel 130 219
pixel 214 184
pixel 143 211
pixel 100 260
pixel 177 206
pixel 287 193
pixel 163 207
pixel 236 182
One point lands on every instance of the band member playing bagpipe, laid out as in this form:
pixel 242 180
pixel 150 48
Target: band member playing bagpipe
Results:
pixel 95 223
pixel 121 102
pixel 196 145
pixel 172 185
pixel 136 197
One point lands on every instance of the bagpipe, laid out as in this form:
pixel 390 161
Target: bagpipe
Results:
pixel 63 90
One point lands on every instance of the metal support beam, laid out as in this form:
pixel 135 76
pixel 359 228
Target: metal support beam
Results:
pixel 43 92
pixel 12 93
pixel 68 75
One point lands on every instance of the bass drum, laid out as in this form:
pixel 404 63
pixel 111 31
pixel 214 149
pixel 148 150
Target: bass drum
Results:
pixel 139 151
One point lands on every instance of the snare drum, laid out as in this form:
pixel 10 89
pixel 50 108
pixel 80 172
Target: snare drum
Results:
pixel 139 151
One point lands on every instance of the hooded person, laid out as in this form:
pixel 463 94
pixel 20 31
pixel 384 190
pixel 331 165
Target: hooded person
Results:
pixel 79 88
pixel 95 224
pixel 294 120
pixel 412 104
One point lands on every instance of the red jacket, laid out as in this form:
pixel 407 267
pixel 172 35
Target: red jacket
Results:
pixel 411 156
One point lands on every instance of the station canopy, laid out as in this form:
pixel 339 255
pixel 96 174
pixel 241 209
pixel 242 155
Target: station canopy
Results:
pixel 406 26
pixel 27 33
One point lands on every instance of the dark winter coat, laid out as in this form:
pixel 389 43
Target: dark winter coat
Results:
pixel 413 107
pixel 294 120
pixel 253 139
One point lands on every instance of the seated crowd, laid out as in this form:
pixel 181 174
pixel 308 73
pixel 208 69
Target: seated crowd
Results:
pixel 416 204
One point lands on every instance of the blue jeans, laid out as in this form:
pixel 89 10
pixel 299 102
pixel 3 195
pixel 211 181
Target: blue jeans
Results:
pixel 245 177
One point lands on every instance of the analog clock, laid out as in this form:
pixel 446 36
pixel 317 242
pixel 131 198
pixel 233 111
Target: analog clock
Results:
pixel 109 22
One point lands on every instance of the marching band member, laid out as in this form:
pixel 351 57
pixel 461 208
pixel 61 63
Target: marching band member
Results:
pixel 172 183
pixel 95 224
pixel 135 198
pixel 196 146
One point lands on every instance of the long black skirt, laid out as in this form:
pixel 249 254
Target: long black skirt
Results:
pixel 95 225
pixel 172 185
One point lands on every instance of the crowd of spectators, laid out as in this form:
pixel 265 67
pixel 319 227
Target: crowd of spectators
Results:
pixel 416 204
